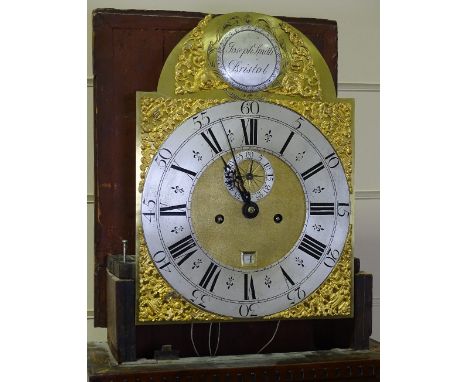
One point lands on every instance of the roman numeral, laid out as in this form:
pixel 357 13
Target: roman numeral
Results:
pixel 313 170
pixel 181 248
pixel 286 143
pixel 249 290
pixel 322 208
pixel 250 138
pixel 212 142
pixel 169 211
pixel 287 278
pixel 188 172
pixel 205 281
pixel 312 247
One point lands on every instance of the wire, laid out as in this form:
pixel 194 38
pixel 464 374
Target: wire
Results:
pixel 271 339
pixel 219 335
pixel 209 339
pixel 193 343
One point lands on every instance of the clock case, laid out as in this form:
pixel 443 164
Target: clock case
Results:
pixel 141 42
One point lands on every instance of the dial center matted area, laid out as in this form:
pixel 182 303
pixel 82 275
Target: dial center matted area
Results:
pixel 270 240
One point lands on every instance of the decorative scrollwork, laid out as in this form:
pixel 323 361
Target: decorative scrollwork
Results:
pixel 196 68
pixel 300 76
pixel 192 73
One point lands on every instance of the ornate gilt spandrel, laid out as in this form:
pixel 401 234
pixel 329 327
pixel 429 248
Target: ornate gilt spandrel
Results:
pixel 196 70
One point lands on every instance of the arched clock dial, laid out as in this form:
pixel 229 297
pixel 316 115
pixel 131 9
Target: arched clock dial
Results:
pixel 197 197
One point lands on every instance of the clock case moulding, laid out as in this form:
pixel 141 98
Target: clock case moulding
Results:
pixel 146 37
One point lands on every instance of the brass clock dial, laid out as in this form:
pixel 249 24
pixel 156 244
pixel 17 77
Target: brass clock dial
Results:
pixel 245 209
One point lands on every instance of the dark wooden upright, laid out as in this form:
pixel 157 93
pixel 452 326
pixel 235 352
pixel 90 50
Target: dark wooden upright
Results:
pixel 129 51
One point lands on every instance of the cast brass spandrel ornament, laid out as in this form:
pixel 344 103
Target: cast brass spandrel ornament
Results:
pixel 303 73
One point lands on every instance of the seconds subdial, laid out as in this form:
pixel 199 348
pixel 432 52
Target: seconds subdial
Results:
pixel 256 171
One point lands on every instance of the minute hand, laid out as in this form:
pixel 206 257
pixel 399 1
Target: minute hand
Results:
pixel 238 182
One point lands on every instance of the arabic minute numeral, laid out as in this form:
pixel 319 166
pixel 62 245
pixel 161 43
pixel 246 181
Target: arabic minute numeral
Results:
pixel 331 258
pixel 247 310
pixel 296 295
pixel 298 123
pixel 199 298
pixel 250 107
pixel 342 211
pixel 332 160
pixel 150 212
pixel 201 120
pixel 162 157
pixel 160 258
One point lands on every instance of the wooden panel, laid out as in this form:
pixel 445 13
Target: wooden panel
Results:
pixel 121 318
pixel 129 50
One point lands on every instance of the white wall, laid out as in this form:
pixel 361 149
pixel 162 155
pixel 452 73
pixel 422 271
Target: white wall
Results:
pixel 358 77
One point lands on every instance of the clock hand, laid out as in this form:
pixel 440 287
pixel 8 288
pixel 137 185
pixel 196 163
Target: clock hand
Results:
pixel 238 181
pixel 249 209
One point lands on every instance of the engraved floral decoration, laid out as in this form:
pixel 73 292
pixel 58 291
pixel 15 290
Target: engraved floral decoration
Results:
pixel 230 282
pixel 300 156
pixel 177 189
pixel 177 229
pixel 317 227
pixel 299 262
pixel 197 155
